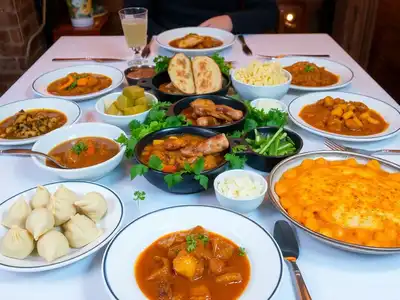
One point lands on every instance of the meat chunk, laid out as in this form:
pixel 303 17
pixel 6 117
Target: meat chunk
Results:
pixel 214 144
pixel 235 114
pixel 164 290
pixel 200 292
pixel 216 266
pixel 221 249
pixel 207 121
pixel 174 143
pixel 190 41
pixel 199 269
pixel 164 272
pixel 174 250
pixel 229 278
pixel 185 264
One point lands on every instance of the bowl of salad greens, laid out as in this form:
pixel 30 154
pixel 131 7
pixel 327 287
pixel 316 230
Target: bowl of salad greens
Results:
pixel 265 147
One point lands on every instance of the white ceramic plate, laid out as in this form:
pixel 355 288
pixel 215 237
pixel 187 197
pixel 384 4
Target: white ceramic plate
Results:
pixel 387 111
pixel 166 37
pixel 295 161
pixel 39 86
pixel 110 224
pixel 70 109
pixel 345 74
pixel 120 257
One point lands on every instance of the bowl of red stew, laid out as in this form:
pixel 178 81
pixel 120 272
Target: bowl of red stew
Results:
pixel 181 159
pixel 219 113
pixel 135 73
pixel 88 150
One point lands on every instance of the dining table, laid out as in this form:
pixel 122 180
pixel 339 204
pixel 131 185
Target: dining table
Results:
pixel 330 273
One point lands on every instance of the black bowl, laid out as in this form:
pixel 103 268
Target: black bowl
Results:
pixel 134 81
pixel 267 163
pixel 163 77
pixel 189 185
pixel 177 108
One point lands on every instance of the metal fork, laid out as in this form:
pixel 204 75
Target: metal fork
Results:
pixel 147 50
pixel 335 146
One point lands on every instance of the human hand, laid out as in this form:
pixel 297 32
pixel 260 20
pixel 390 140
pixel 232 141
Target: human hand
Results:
pixel 222 22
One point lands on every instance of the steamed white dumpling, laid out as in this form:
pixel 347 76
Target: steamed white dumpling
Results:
pixel 39 222
pixel 52 245
pixel 93 205
pixel 62 209
pixel 66 194
pixel 80 231
pixel 17 243
pixel 41 197
pixel 17 214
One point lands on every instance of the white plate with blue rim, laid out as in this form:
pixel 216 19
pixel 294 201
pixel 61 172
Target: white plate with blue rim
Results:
pixel 345 74
pixel 164 39
pixel 39 86
pixel 71 111
pixel 390 114
pixel 110 224
pixel 121 255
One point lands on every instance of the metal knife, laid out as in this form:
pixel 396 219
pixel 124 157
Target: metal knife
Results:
pixel 286 238
pixel 245 48
pixel 96 59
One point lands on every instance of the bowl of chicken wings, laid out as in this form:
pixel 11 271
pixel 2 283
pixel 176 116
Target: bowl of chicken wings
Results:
pixel 218 113
pixel 183 160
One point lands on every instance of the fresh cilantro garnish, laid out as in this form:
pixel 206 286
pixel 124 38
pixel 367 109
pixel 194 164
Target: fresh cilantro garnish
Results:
pixel 79 147
pixel 191 243
pixel 239 148
pixel 308 68
pixel 198 166
pixel 138 170
pixel 235 162
pixel 139 195
pixel 236 134
pixel 73 85
pixel 220 61
pixel 155 163
pixel 242 251
pixel 161 63
pixel 204 238
pixel 173 179
pixel 203 180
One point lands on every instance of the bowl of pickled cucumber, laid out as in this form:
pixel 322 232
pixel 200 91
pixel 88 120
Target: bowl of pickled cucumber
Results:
pixel 120 108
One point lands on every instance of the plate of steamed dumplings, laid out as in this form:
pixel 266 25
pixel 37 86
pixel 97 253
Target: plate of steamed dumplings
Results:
pixel 57 224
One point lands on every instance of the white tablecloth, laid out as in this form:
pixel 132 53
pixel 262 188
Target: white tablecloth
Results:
pixel 330 274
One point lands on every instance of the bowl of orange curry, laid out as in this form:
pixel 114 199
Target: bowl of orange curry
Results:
pixel 347 200
pixel 88 150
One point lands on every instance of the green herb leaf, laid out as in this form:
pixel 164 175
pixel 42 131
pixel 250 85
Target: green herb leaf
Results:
pixel 204 238
pixel 220 61
pixel 173 179
pixel 242 251
pixel 198 166
pixel 161 63
pixel 73 85
pixel 250 124
pixel 138 170
pixel 235 162
pixel 191 243
pixel 139 195
pixel 235 135
pixel 239 148
pixel 79 147
pixel 155 163
pixel 308 68
pixel 203 180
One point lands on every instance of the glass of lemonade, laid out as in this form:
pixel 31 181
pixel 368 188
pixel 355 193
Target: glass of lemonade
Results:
pixel 134 25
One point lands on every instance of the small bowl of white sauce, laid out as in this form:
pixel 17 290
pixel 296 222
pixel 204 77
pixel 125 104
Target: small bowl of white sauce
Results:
pixel 267 104
pixel 240 190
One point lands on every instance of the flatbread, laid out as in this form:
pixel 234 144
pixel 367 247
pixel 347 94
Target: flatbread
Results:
pixel 207 75
pixel 181 74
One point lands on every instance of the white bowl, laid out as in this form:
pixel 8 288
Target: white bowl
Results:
pixel 251 92
pixel 111 224
pixel 266 262
pixel 282 106
pixel 58 136
pixel 69 108
pixel 39 86
pixel 121 121
pixel 242 205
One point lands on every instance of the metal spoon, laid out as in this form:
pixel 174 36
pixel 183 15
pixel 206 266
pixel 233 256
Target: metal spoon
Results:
pixel 27 152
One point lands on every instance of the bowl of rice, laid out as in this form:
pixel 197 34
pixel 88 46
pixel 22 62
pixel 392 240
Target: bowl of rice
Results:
pixel 261 80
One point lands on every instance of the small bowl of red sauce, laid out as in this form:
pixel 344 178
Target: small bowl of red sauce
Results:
pixel 135 73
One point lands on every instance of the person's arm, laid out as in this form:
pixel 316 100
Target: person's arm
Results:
pixel 258 16
pixel 152 27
